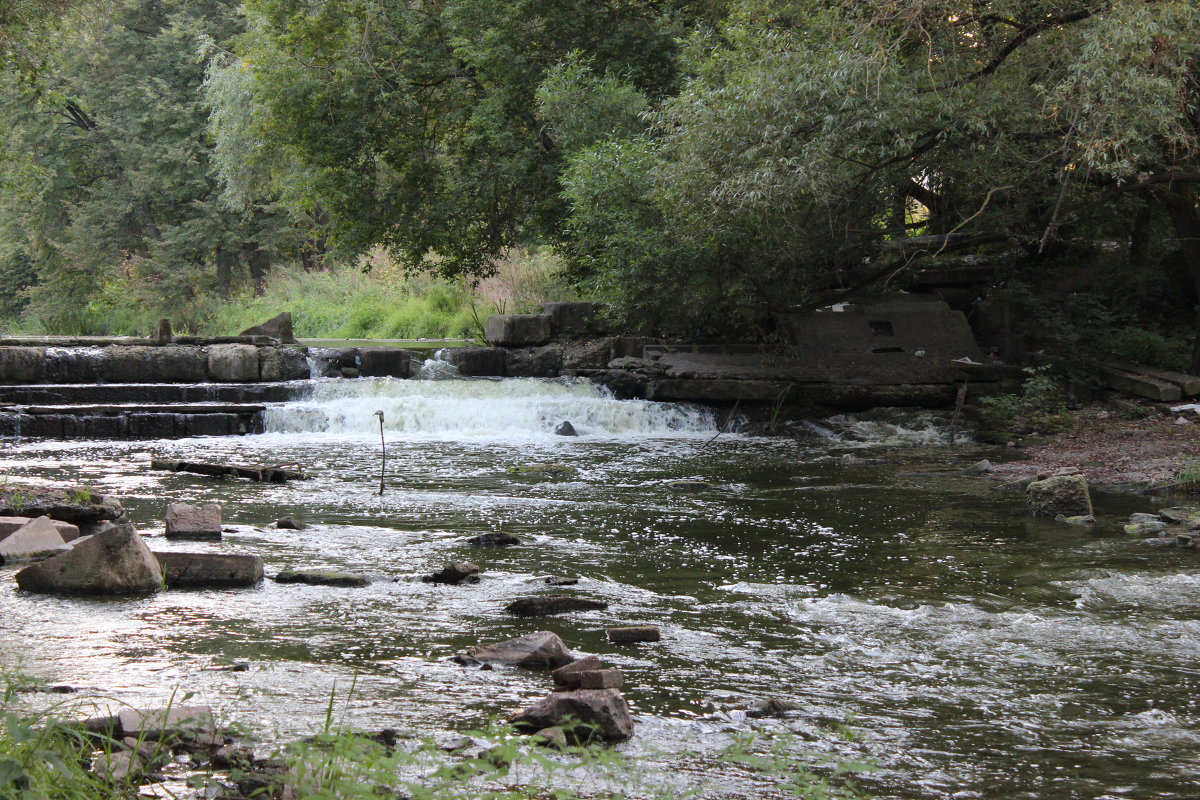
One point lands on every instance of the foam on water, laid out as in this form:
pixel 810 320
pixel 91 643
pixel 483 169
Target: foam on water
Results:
pixel 478 407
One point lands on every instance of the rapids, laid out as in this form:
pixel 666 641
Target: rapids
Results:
pixel 924 623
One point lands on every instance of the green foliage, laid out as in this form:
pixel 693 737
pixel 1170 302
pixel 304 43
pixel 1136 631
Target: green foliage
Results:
pixel 1187 479
pixel 1041 406
pixel 351 304
pixel 792 157
pixel 413 125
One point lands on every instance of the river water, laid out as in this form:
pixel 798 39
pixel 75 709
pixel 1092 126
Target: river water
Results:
pixel 921 621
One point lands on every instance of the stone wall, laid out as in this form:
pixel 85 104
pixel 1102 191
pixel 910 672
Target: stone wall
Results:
pixel 144 363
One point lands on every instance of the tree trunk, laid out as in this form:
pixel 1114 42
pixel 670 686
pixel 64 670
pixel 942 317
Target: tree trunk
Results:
pixel 258 262
pixel 1185 216
pixel 225 263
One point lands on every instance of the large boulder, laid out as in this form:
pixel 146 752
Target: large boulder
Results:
pixel 115 562
pixel 233 363
pixel 1060 495
pixel 383 362
pixel 22 364
pixel 585 714
pixel 478 362
pixel 535 362
pixel 277 327
pixel 537 650
pixel 193 570
pixel 517 330
pixel 186 521
pixel 282 364
pixel 35 538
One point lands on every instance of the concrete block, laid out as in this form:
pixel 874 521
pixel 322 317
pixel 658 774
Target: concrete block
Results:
pixel 233 363
pixel 189 570
pixel 383 362
pixel 517 330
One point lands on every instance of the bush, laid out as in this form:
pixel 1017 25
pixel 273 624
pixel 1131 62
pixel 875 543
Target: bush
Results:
pixel 1041 406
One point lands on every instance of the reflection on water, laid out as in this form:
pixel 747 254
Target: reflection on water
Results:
pixel 978 653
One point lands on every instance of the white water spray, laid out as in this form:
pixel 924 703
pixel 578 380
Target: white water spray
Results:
pixel 481 407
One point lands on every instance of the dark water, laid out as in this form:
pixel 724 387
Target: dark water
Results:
pixel 923 623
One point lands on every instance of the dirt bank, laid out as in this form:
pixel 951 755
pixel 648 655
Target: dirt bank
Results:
pixel 1111 445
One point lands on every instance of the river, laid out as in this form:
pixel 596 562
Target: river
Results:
pixel 923 622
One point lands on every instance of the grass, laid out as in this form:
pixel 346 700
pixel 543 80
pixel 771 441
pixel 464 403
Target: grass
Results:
pixel 372 299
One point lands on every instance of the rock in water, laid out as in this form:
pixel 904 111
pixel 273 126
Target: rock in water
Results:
pixel 566 429
pixel 497 539
pixel 535 650
pixel 116 561
pixel 193 522
pixel 543 605
pixel 634 633
pixel 454 573
pixel 209 569
pixel 36 537
pixel 583 715
pixel 290 524
pixel 565 676
pixel 277 327
pixel 1061 495
pixel 314 578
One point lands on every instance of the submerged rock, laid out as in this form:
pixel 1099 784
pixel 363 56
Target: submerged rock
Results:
pixel 540 649
pixel 582 715
pixel 546 604
pixel 116 561
pixel 319 578
pixel 496 539
pixel 454 573
pixel 772 707
pixel 290 524
pixel 542 470
pixel 1060 495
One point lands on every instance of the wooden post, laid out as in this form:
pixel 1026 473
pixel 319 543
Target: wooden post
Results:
pixel 382 451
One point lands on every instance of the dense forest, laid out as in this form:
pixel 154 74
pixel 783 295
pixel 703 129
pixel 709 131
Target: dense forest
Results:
pixel 700 165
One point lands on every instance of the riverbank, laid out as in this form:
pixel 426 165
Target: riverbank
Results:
pixel 1119 444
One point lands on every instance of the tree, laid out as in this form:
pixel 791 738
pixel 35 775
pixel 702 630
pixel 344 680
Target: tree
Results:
pixel 110 194
pixel 810 140
pixel 413 124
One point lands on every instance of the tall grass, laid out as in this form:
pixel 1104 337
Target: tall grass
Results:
pixel 351 304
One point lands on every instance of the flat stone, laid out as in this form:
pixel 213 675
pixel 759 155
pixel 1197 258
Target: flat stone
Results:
pixel 116 561
pixel 170 723
pixel 634 633
pixel 546 604
pixel 66 530
pixel 317 578
pixel 583 715
pixel 38 537
pixel 188 521
pixel 600 679
pixel 564 676
pixel 539 649
pixel 192 570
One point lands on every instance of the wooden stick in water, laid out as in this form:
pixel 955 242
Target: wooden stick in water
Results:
pixel 382 451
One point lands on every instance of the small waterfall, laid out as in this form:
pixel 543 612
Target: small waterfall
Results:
pixel 481 407
pixel 437 368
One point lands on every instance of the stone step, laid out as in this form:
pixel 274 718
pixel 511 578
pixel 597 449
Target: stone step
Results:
pixel 1140 385
pixel 131 422
pixel 152 393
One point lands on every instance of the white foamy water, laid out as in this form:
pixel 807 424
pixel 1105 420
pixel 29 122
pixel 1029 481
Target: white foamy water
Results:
pixel 480 407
